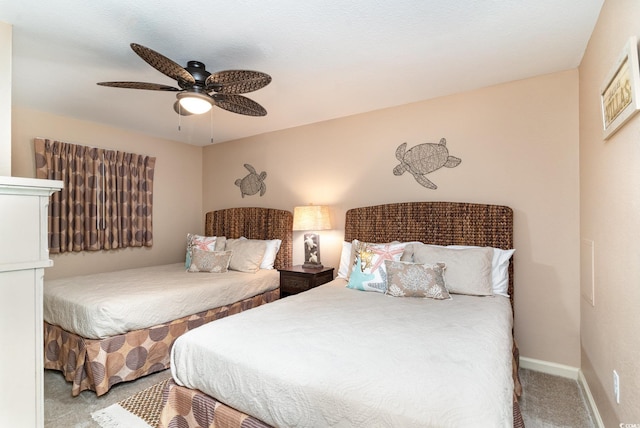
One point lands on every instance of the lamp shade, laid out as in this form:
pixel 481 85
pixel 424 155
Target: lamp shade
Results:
pixel 311 217
pixel 195 102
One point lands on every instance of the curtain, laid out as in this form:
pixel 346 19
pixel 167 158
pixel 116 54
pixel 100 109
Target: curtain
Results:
pixel 107 199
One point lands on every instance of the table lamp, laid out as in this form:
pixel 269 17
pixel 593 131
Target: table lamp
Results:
pixel 311 218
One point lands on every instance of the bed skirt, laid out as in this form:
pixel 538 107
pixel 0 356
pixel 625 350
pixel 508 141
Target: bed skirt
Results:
pixel 98 364
pixel 184 407
pixel 190 408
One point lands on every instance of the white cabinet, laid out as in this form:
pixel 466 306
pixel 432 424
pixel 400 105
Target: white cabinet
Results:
pixel 24 255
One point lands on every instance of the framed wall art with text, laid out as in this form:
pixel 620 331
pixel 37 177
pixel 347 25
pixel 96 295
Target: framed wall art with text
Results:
pixel 619 94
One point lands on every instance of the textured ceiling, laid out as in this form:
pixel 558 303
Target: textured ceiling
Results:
pixel 327 58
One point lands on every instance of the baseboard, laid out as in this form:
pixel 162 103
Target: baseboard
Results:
pixel 592 403
pixel 569 372
pixel 547 367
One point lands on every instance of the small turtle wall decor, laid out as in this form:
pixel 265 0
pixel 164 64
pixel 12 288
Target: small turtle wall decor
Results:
pixel 423 159
pixel 252 183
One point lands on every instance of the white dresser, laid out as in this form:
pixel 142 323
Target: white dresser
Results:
pixel 23 256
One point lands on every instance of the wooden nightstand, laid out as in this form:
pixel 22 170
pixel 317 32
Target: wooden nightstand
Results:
pixel 296 279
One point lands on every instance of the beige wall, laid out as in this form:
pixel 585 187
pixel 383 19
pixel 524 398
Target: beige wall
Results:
pixel 609 216
pixel 177 196
pixel 518 143
pixel 519 147
pixel 5 98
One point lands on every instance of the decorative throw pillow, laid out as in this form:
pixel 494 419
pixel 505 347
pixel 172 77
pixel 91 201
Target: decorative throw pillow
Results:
pixel 209 261
pixel 349 253
pixel 247 254
pixel 468 269
pixel 205 243
pixel 406 279
pixel 369 272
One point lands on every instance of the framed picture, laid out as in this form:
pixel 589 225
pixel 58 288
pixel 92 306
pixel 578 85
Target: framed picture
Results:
pixel 619 94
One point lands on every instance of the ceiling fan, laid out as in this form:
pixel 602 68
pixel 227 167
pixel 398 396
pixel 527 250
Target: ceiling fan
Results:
pixel 200 90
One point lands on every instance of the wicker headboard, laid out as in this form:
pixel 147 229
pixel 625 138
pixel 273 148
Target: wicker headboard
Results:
pixel 439 223
pixel 255 223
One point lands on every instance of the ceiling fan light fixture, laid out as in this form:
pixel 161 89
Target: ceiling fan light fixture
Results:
pixel 195 102
pixel 196 85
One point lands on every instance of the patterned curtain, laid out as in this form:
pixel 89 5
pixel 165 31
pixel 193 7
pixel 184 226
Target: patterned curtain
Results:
pixel 107 199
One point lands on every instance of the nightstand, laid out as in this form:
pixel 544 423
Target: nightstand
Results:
pixel 296 279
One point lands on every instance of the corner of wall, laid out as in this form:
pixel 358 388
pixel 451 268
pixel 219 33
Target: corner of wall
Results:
pixel 592 402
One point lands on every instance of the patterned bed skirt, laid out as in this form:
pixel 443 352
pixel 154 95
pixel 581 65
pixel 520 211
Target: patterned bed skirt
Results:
pixel 98 364
pixel 190 408
pixel 184 407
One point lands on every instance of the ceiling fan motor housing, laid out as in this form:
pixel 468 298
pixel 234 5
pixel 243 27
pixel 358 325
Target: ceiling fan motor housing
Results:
pixel 199 73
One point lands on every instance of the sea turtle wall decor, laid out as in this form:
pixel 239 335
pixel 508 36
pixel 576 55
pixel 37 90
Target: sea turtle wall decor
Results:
pixel 252 183
pixel 424 158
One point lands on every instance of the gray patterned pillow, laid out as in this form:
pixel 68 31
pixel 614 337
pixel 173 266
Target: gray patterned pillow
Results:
pixel 209 261
pixel 416 280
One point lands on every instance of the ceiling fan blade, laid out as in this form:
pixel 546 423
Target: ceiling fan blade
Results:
pixel 236 81
pixel 181 110
pixel 139 85
pixel 239 104
pixel 164 65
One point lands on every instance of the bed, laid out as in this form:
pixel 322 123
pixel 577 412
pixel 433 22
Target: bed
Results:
pixel 341 356
pixel 94 353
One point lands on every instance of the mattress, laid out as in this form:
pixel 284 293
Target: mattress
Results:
pixel 105 304
pixel 334 356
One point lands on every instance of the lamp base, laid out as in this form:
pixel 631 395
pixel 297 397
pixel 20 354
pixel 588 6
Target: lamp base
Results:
pixel 312 265
pixel 312 251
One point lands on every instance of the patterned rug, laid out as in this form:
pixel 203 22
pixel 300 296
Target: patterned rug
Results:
pixel 141 410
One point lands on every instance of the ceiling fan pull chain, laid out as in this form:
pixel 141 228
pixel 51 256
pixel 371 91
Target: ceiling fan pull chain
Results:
pixel 179 117
pixel 211 122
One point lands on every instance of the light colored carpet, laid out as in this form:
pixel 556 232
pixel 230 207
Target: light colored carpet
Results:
pixel 61 410
pixel 552 402
pixel 547 401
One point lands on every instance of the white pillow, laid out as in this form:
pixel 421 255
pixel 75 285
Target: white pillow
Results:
pixel 345 261
pixel 499 269
pixel 269 258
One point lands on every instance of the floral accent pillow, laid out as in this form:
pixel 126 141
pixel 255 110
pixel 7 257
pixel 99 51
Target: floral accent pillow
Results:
pixel 209 261
pixel 369 271
pixel 416 280
pixel 205 243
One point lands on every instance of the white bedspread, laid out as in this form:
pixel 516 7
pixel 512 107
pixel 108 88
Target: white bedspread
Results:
pixel 105 304
pixel 334 356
